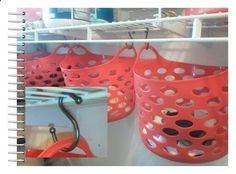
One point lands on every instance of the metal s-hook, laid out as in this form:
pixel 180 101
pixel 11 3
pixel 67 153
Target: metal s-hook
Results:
pixel 146 36
pixel 131 37
pixel 76 130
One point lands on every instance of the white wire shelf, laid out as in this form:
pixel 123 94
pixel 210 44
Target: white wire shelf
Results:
pixel 41 96
pixel 166 29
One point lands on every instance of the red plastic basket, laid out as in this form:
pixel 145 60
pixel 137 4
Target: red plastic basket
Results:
pixel 44 71
pixel 99 70
pixel 182 108
pixel 198 11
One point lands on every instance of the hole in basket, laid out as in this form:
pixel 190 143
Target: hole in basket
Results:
pixel 120 78
pixel 53 75
pixel 113 87
pixel 92 62
pixel 114 112
pixel 139 94
pixel 84 83
pixel 79 65
pixel 223 110
pixel 169 112
pixel 144 131
pixel 149 126
pixel 158 120
pixel 69 67
pixel 159 138
pixel 128 83
pixel 184 123
pixel 210 123
pixel 146 106
pixel 147 72
pixel 187 77
pixel 109 108
pixel 58 69
pixel 128 69
pixel 184 102
pixel 225 88
pixel 169 91
pixel 32 83
pixel 201 90
pixel 151 143
pixel 216 150
pixel 47 82
pixel 214 101
pixel 122 105
pixel 112 72
pixel 195 153
pixel 179 70
pixel 39 77
pixel 93 75
pixel 60 80
pixel 183 143
pixel 171 150
pixel 170 131
pixel 145 87
pixel 169 78
pixel 120 92
pixel 114 100
pixel 221 130
pixel 127 109
pixel 198 72
pixel 209 142
pixel 161 70
pixel 156 100
pixel 197 133
pixel 199 113
pixel 104 81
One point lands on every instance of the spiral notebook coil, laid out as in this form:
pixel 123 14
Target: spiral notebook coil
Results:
pixel 16 123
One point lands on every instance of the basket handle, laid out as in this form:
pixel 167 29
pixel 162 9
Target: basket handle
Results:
pixel 56 147
pixel 71 49
pixel 150 47
pixel 59 47
pixel 123 49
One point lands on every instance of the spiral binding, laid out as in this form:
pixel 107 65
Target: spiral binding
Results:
pixel 19 121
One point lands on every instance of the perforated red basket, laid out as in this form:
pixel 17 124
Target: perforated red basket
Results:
pixel 182 108
pixel 44 71
pixel 115 72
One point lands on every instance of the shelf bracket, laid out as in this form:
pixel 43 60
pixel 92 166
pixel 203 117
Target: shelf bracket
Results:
pixel 89 33
pixel 197 28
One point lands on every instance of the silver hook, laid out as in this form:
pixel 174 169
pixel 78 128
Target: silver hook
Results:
pixel 146 36
pixel 76 130
pixel 131 37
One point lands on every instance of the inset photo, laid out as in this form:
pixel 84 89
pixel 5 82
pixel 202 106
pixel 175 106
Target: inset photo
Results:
pixel 66 122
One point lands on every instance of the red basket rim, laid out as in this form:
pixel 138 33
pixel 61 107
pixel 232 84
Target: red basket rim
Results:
pixel 106 63
pixel 175 81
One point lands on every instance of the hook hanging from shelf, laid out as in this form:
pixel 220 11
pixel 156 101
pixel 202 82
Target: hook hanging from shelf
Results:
pixel 146 36
pixel 76 130
pixel 131 37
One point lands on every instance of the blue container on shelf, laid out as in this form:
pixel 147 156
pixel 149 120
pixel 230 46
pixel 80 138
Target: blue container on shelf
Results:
pixel 105 14
pixel 59 13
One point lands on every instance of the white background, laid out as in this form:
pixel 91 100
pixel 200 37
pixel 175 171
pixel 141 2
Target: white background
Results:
pixel 4 8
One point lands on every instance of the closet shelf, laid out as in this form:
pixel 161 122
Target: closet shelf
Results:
pixel 192 28
pixel 43 96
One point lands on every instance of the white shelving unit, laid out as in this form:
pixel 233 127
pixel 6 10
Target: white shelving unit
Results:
pixel 180 29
